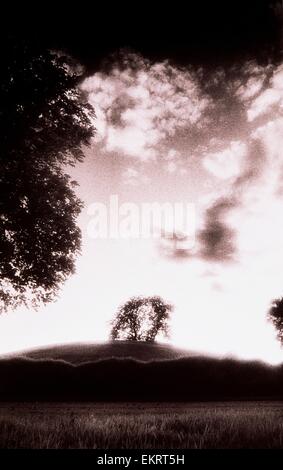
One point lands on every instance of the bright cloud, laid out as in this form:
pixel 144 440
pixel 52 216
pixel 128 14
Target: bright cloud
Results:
pixel 140 105
pixel 227 163
pixel 133 177
pixel 251 88
pixel 263 103
pixel 251 81
pixel 271 97
pixel 172 154
pixel 171 167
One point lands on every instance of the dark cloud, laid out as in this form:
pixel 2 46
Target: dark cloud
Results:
pixel 215 242
pixel 217 239
pixel 254 166
pixel 177 254
pixel 115 112
pixel 175 246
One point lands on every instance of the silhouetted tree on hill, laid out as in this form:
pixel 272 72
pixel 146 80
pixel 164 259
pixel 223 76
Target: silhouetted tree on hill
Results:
pixel 275 315
pixel 141 319
pixel 44 121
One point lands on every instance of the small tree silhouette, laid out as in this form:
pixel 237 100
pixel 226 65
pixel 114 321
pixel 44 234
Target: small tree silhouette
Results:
pixel 141 319
pixel 275 315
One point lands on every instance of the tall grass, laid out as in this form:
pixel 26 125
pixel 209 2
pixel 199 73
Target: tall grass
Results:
pixel 196 427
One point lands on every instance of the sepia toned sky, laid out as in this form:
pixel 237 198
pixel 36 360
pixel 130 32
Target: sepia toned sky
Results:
pixel 208 136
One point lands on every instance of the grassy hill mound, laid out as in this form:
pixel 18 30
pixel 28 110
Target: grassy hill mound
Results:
pixel 124 379
pixel 89 352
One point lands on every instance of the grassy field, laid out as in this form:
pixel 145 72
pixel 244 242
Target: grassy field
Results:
pixel 145 426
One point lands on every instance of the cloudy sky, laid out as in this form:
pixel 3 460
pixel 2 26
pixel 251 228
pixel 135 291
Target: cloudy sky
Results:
pixel 211 137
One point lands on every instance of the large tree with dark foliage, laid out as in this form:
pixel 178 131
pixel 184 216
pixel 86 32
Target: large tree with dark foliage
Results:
pixel 275 315
pixel 141 319
pixel 44 121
